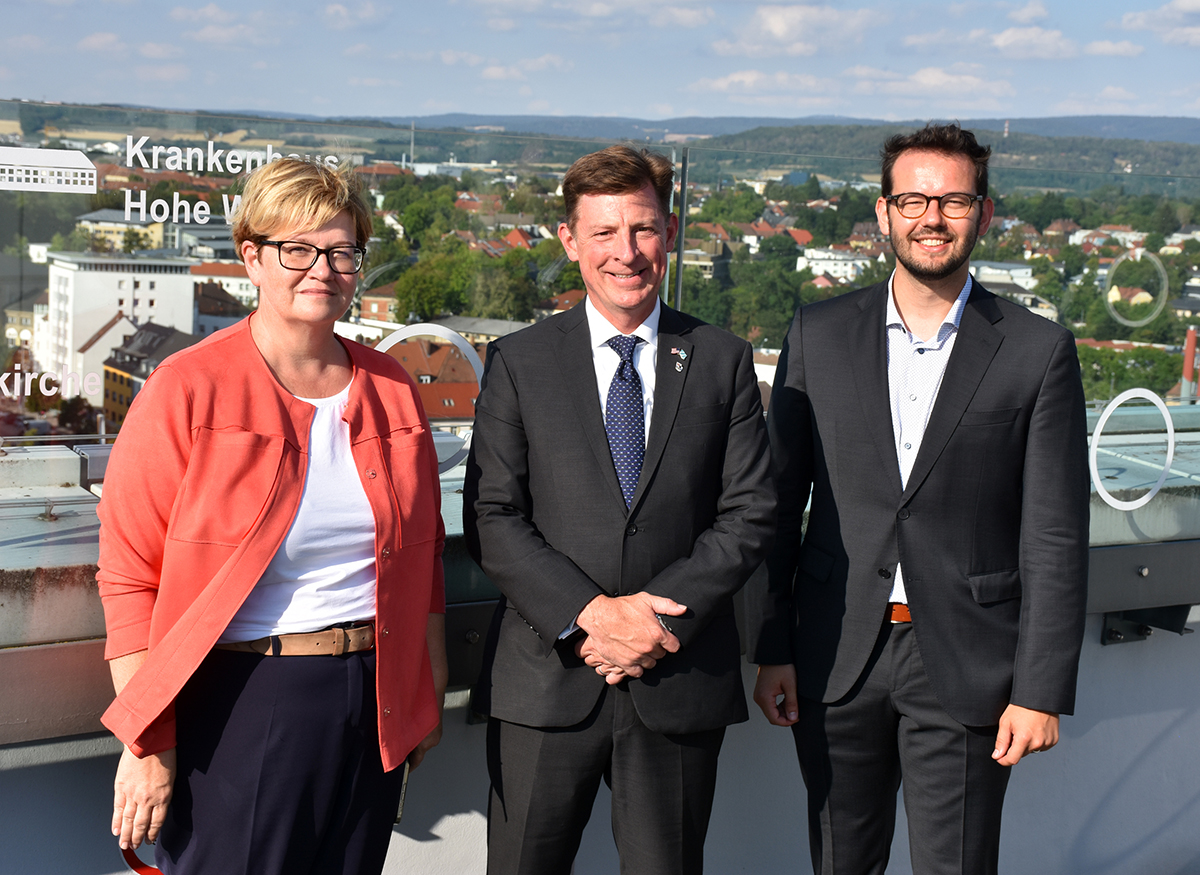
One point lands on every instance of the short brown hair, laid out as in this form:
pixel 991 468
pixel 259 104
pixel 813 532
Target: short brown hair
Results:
pixel 949 139
pixel 618 170
pixel 290 193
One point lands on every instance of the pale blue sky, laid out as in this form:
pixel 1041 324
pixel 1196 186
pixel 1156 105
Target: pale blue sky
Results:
pixel 640 58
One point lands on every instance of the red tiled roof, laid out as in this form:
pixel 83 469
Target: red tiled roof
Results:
pixel 210 268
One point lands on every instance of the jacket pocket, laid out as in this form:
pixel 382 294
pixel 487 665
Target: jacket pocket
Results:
pixel 230 476
pixel 995 586
pixel 989 417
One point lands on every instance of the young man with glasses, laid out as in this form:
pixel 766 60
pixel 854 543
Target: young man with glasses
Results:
pixel 927 627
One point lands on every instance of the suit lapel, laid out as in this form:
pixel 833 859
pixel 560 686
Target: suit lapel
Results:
pixel 575 362
pixel 668 389
pixel 974 348
pixel 867 344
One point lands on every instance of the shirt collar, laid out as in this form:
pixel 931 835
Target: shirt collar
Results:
pixel 952 320
pixel 602 330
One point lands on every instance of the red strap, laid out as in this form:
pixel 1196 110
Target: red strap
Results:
pixel 131 859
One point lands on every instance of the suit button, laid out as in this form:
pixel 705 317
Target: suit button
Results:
pixel 632 530
pixel 884 573
pixel 903 513
pixel 384 631
pixel 387 712
pixel 370 473
pixel 386 551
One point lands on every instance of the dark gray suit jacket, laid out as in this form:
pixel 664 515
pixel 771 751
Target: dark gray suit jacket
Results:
pixel 544 517
pixel 992 528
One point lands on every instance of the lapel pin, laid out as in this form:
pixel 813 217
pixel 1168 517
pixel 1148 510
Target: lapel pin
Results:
pixel 682 353
pixel 679 366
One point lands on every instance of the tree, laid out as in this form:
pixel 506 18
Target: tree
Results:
pixel 437 283
pixel 780 251
pixel 1108 372
pixel 134 240
pixel 77 416
pixel 705 299
pixel 503 288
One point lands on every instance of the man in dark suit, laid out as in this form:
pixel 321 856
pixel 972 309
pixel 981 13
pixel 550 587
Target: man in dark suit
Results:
pixel 928 625
pixel 618 493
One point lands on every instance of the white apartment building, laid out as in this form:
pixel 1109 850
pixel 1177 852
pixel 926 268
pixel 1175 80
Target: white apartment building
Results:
pixel 229 275
pixel 989 272
pixel 839 264
pixel 91 354
pixel 86 290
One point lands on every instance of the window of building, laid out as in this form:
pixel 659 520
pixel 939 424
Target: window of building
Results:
pixel 447 402
pixel 120 284
pixel 151 302
pixel 137 284
pixel 120 302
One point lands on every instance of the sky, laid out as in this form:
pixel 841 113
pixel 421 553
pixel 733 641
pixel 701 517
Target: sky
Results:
pixel 649 59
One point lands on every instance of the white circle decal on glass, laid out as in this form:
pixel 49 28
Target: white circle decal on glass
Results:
pixel 428 329
pixel 1128 394
pixel 1162 290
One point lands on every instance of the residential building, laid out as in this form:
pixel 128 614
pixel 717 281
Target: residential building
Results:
pixel 93 352
pixel 86 289
pixel 111 225
pixel 378 304
pixel 712 257
pixel 215 308
pixel 126 369
pixel 229 275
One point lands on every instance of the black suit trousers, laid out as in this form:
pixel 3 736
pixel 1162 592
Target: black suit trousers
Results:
pixel 888 732
pixel 544 783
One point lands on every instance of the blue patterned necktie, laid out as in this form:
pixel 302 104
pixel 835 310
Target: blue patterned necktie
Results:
pixel 625 418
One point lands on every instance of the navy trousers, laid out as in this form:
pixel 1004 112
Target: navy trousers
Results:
pixel 279 769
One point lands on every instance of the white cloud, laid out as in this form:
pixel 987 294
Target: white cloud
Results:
pixel 210 13
pixel 538 106
pixel 501 25
pixel 1033 42
pixel 931 40
pixel 101 42
pixel 1115 92
pixel 959 83
pixel 356 50
pixel 451 58
pixel 164 73
pixel 159 51
pixel 1031 11
pixel 681 16
pixel 758 82
pixel 1122 49
pixel 798 30
pixel 223 35
pixel 1176 23
pixel 339 16
pixel 523 67
pixel 26 42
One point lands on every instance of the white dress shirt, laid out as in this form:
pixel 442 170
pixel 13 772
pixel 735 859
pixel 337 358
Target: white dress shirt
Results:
pixel 605 358
pixel 915 370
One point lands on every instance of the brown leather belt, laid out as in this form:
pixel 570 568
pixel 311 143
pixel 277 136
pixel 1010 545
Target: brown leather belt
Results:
pixel 327 642
pixel 898 613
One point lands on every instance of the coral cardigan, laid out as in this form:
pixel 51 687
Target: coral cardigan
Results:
pixel 200 491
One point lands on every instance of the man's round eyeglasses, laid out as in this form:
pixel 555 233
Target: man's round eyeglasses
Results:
pixel 302 256
pixel 913 204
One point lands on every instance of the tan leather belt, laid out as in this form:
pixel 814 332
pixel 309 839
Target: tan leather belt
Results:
pixel 327 642
pixel 898 613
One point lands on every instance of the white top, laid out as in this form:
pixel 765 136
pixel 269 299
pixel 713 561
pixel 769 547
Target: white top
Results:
pixel 915 371
pixel 324 571
pixel 605 358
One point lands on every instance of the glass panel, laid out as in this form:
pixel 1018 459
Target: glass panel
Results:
pixel 465 235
